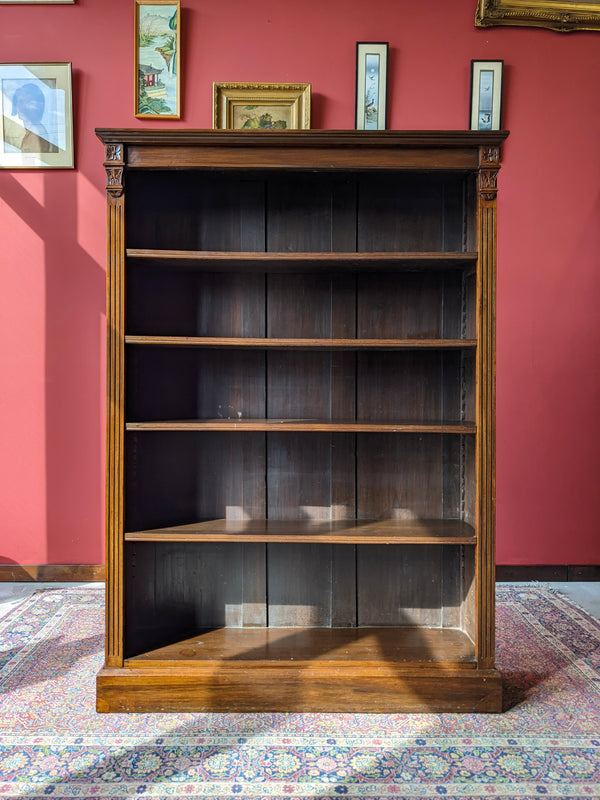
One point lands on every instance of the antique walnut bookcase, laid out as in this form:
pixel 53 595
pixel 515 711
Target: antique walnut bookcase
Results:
pixel 300 487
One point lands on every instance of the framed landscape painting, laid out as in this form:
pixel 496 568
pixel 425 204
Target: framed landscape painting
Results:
pixel 261 106
pixel 36 124
pixel 157 59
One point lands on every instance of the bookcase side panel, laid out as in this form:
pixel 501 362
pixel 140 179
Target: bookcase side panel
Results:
pixel 115 382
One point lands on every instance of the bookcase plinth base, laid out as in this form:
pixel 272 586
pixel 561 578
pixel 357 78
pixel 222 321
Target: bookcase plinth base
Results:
pixel 288 689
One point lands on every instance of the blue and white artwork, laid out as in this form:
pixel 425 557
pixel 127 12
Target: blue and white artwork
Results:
pixel 486 93
pixel 371 91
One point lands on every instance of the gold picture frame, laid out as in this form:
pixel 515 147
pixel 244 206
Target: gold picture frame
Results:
pixel 261 106
pixel 157 60
pixel 556 15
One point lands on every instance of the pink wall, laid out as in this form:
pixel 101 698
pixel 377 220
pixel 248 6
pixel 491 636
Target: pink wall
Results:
pixel 52 228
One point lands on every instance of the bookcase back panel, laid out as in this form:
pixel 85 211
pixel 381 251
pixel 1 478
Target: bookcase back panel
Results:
pixel 195 211
pixel 418 585
pixel 310 213
pixel 305 385
pixel 229 304
pixel 395 305
pixel 297 212
pixel 410 305
pixel 188 383
pixel 409 477
pixel 176 478
pixel 310 476
pixel 411 212
pixel 311 585
pixel 166 301
pixel 424 387
pixel 306 306
pixel 176 590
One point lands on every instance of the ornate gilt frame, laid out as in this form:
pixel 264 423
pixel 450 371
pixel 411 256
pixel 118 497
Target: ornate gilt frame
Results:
pixel 557 15
pixel 293 98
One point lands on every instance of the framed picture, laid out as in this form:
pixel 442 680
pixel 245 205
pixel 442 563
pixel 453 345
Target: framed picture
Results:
pixel 371 86
pixel 36 124
pixel 486 95
pixel 261 106
pixel 157 59
pixel 557 15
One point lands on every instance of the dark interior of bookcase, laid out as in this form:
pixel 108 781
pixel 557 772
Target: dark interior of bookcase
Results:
pixel 176 589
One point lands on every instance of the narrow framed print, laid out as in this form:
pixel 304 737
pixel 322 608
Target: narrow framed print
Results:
pixel 157 59
pixel 371 85
pixel 486 95
pixel 36 124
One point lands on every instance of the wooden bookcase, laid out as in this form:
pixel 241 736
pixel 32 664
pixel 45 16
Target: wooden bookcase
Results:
pixel 300 467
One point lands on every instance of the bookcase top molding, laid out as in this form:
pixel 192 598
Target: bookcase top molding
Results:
pixel 296 150
pixel 302 138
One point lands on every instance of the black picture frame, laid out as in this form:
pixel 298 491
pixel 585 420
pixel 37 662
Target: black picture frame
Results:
pixel 371 85
pixel 486 95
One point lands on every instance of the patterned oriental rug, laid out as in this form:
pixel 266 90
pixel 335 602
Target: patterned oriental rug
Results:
pixel 53 744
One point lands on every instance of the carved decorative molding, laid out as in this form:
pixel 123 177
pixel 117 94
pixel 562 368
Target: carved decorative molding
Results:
pixel 557 15
pixel 489 155
pixel 114 152
pixel 114 163
pixel 114 181
pixel 488 183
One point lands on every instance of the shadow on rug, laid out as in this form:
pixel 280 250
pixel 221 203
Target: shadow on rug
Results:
pixel 53 744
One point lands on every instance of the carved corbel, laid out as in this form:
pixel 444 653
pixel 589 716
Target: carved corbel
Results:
pixel 489 163
pixel 114 164
pixel 488 184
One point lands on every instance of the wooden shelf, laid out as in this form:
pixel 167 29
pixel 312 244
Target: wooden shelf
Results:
pixel 388 531
pixel 301 344
pixel 342 426
pixel 285 261
pixel 314 647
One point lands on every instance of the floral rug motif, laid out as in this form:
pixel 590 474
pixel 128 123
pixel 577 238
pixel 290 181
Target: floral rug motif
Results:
pixel 53 744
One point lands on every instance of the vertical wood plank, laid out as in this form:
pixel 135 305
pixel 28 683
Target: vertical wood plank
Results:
pixel 299 585
pixel 161 477
pixel 399 586
pixel 230 304
pixel 400 212
pixel 399 477
pixel 299 213
pixel 452 586
pixel 230 476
